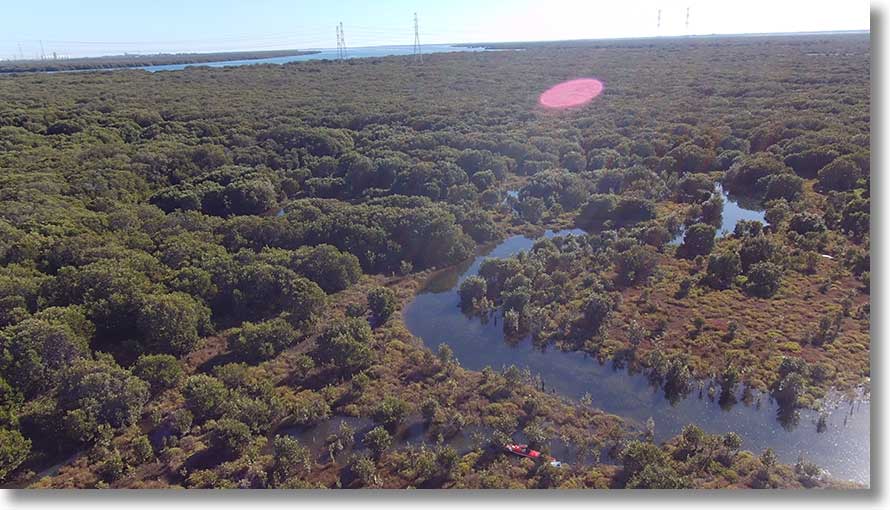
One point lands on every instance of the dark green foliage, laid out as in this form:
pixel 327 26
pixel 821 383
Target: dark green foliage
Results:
pixel 142 450
pixel 698 240
pixel 327 266
pixel 656 236
pixel 804 223
pixel 788 390
pixel 750 174
pixel 622 211
pixel 764 279
pixel 229 436
pixel 635 264
pixel 483 180
pixel 113 467
pixel 382 303
pixel 631 210
pixel 345 344
pixel 531 209
pixel 378 441
pixel 676 374
pixel 636 455
pixel 265 290
pixel 181 421
pixel 549 477
pixel 807 163
pixel 471 291
pixel 747 228
pixel 36 350
pixel 777 211
pixel 729 379
pixel 95 393
pixel 840 175
pixel 856 217
pixel 205 396
pixel 551 187
pixel 597 310
pixel 597 210
pixel 140 213
pixel 227 191
pixel 712 209
pixel 160 371
pixel 10 401
pixel 390 411
pixel 477 224
pixel 689 157
pixel 723 267
pixel 14 449
pixel 290 459
pixel 754 249
pixel 363 469
pixel 258 342
pixel 787 186
pixel 726 159
pixel 172 323
pixel 694 188
pixel 428 409
pixel 658 476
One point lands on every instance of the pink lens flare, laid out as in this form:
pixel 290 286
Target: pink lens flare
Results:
pixel 571 93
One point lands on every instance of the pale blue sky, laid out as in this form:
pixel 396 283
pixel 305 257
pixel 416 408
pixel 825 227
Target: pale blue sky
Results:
pixel 101 27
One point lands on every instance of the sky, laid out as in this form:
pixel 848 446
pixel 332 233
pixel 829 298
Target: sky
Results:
pixel 113 27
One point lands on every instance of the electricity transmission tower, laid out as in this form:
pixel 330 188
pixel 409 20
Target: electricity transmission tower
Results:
pixel 687 21
pixel 339 44
pixel 658 25
pixel 342 39
pixel 418 56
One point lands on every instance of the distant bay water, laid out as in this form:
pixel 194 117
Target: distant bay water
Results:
pixel 329 54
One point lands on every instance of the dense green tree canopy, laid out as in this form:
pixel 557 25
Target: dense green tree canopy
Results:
pixel 192 252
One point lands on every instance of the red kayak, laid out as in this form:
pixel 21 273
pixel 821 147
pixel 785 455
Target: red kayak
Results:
pixel 524 451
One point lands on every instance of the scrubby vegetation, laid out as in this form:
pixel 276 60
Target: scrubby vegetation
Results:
pixel 197 266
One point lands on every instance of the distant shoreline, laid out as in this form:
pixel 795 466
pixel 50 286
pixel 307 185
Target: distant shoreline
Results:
pixel 653 38
pixel 135 61
pixel 127 61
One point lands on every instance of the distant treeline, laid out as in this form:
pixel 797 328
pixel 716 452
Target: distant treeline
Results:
pixel 801 40
pixel 117 61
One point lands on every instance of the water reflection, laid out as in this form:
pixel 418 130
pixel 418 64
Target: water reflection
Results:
pixel 350 431
pixel 735 209
pixel 836 440
pixel 324 54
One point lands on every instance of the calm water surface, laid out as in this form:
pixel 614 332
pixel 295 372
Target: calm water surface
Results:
pixel 842 447
pixel 330 54
pixel 735 209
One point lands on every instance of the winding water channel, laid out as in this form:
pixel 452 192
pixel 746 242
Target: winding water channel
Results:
pixel 841 446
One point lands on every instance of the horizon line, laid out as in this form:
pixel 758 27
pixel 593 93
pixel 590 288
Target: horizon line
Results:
pixel 475 44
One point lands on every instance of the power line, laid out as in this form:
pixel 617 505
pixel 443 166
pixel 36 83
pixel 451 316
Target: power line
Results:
pixel 301 37
pixel 339 44
pixel 418 56
pixel 342 40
